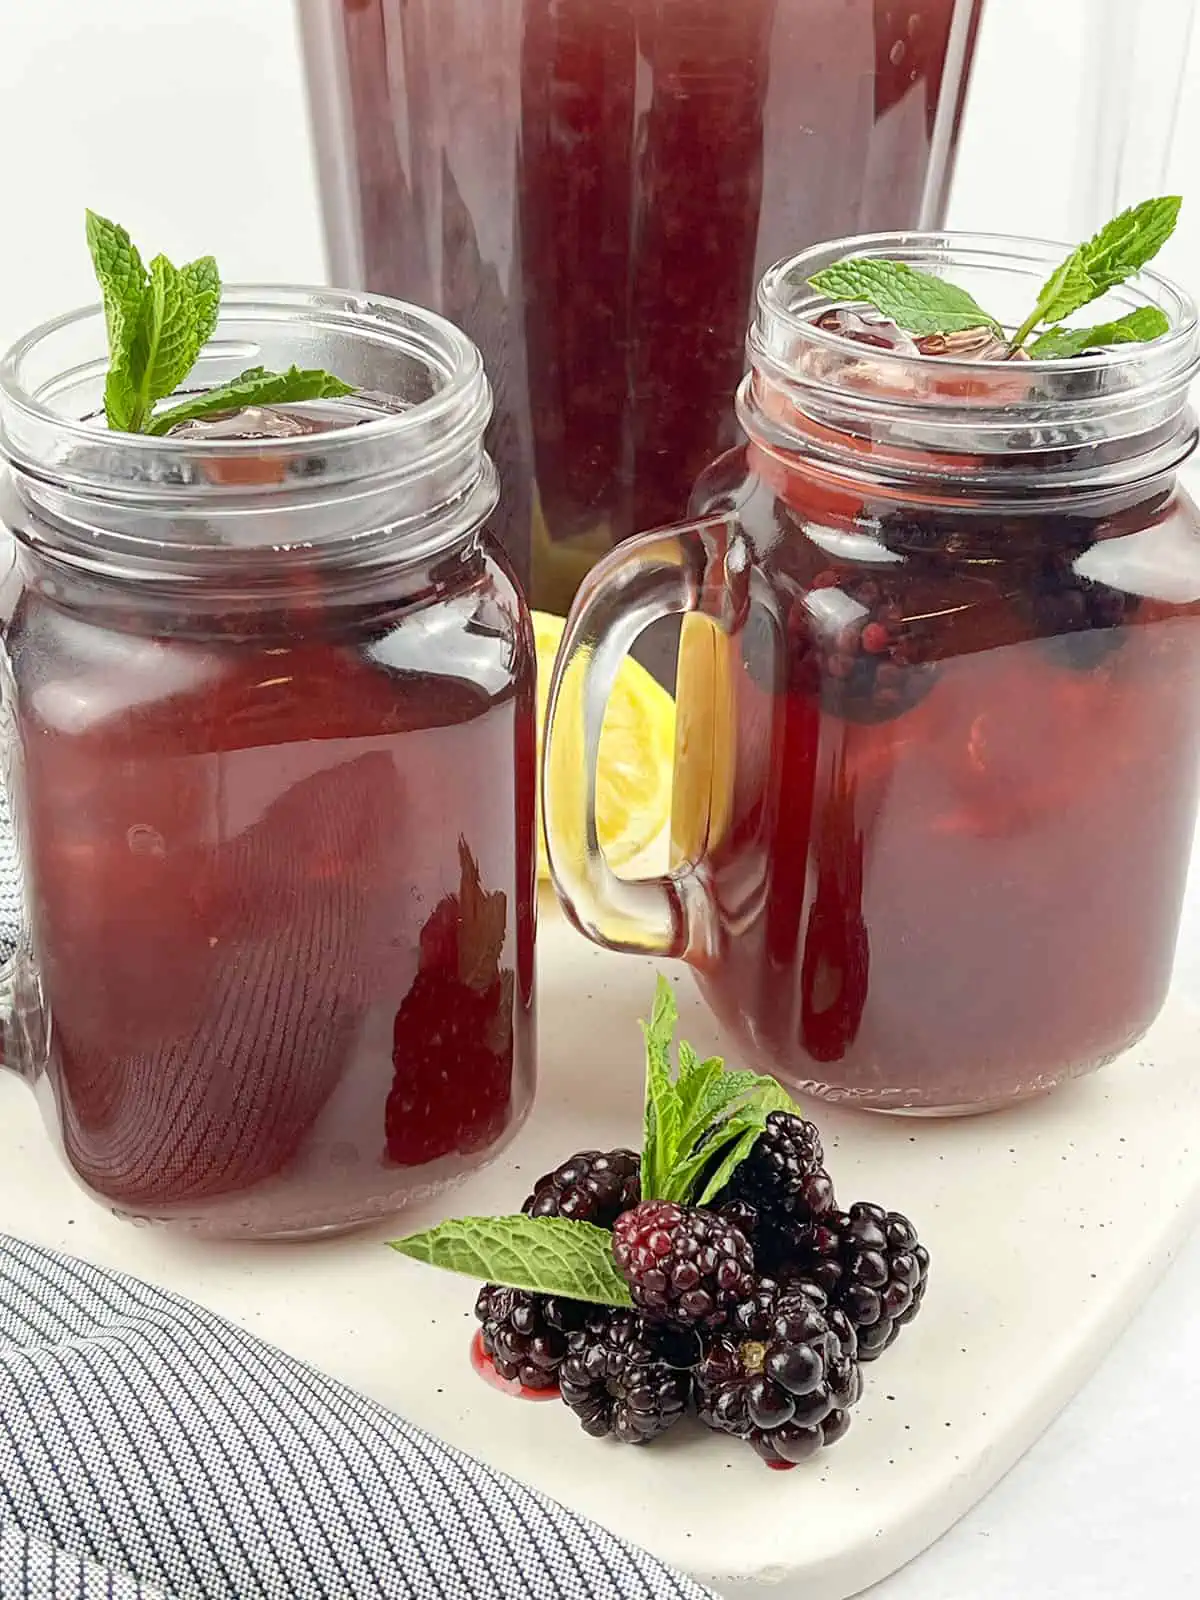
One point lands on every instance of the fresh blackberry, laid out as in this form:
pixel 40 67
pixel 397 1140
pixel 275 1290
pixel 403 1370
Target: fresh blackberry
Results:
pixel 873 1267
pixel 789 1387
pixel 784 1174
pixel 526 1334
pixel 865 658
pixel 592 1186
pixel 741 1214
pixel 626 1376
pixel 683 1264
pixel 1083 616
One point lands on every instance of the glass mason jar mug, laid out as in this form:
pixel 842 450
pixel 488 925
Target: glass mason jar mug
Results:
pixel 935 787
pixel 268 711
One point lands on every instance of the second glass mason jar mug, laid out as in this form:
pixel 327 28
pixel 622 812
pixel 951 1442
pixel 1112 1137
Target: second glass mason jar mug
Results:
pixel 269 743
pixel 935 788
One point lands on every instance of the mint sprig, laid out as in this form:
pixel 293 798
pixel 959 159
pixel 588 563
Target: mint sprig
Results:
pixel 158 320
pixel 701 1122
pixel 254 387
pixel 914 300
pixel 546 1255
pixel 1136 327
pixel 923 304
pixel 1121 248
pixel 699 1117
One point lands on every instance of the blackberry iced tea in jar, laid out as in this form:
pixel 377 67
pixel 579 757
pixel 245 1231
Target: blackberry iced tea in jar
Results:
pixel 268 689
pixel 936 782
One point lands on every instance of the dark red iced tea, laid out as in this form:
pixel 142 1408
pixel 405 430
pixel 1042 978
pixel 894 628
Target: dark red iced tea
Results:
pixel 951 852
pixel 282 875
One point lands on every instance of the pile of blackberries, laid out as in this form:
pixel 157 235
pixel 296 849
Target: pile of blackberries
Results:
pixel 755 1312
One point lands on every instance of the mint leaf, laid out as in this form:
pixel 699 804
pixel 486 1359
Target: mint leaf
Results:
pixel 157 322
pixel 123 281
pixel 254 387
pixel 736 1152
pixel 203 283
pixel 662 1109
pixel 547 1255
pixel 1121 248
pixel 698 1117
pixel 722 1129
pixel 164 341
pixel 1136 327
pixel 1066 289
pixel 703 1094
pixel 914 300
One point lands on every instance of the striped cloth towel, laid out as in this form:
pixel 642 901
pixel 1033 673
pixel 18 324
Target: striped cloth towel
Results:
pixel 150 1450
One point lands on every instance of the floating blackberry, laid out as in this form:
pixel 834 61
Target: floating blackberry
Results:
pixel 915 533
pixel 686 1265
pixel 866 659
pixel 788 1388
pixel 1083 616
pixel 592 1186
pixel 872 1266
pixel 526 1334
pixel 626 1376
pixel 784 1174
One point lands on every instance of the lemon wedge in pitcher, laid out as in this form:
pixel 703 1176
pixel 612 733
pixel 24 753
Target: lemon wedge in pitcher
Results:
pixel 637 750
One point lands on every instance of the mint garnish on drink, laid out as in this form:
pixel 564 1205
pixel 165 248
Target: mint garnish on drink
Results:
pixel 158 320
pixel 923 304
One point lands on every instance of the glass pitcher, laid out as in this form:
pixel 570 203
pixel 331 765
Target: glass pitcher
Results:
pixel 591 188
pixel 268 735
pixel 938 700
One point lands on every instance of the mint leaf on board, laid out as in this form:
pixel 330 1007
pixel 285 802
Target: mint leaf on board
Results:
pixel 123 279
pixel 1121 248
pixel 203 283
pixel 708 1158
pixel 699 1117
pixel 546 1255
pixel 662 1109
pixel 254 387
pixel 1136 327
pixel 913 300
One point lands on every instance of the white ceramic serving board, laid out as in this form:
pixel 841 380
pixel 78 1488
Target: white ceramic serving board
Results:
pixel 1047 1224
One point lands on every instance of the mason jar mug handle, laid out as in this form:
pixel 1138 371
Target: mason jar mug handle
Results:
pixel 697 571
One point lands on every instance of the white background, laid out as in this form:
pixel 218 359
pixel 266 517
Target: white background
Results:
pixel 186 120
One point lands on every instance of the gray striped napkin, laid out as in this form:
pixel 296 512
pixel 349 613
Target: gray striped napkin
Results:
pixel 150 1450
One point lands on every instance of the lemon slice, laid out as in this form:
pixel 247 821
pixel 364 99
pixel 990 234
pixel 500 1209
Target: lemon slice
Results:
pixel 637 748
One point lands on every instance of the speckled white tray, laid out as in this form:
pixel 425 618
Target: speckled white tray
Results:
pixel 1047 1224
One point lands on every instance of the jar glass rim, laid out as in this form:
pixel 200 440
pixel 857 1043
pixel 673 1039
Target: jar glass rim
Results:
pixel 403 472
pixel 460 393
pixel 785 295
pixel 1114 417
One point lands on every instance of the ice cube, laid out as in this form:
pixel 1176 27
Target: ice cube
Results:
pixel 252 422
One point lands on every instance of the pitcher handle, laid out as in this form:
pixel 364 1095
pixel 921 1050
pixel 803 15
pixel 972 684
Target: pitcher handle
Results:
pixel 695 568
